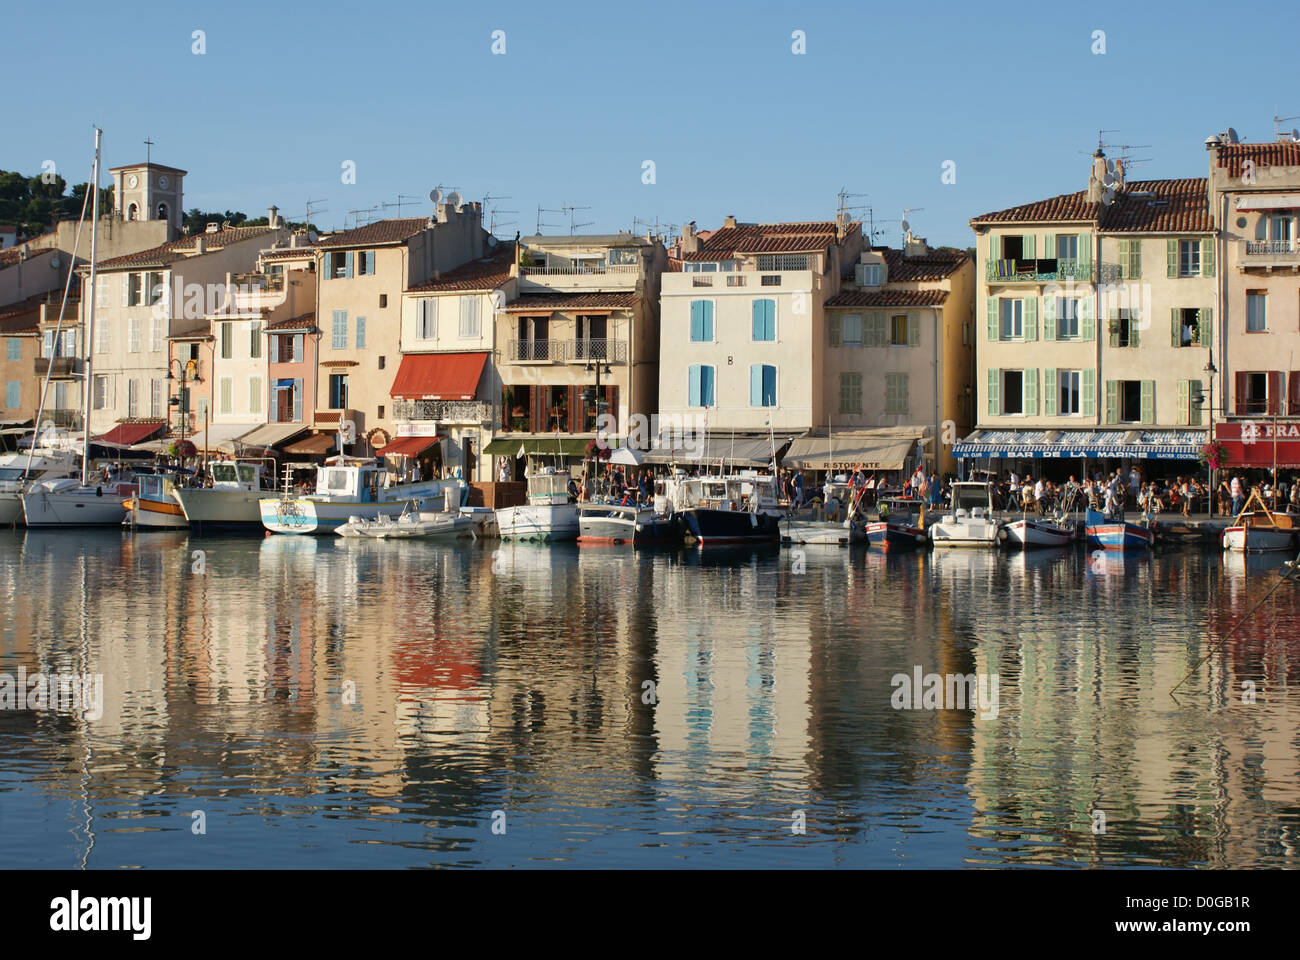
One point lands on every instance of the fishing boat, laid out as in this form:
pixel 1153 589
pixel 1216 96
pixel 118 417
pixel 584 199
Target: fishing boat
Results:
pixel 1107 533
pixel 970 521
pixel 410 524
pixel 1027 532
pixel 625 523
pixel 349 487
pixel 18 471
pixel 230 500
pixel 814 527
pixel 154 506
pixel 1257 529
pixel 738 508
pixel 548 514
pixel 899 525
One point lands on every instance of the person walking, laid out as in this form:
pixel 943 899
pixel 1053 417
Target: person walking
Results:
pixel 1235 490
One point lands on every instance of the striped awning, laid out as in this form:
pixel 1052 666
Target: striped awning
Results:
pixel 1141 444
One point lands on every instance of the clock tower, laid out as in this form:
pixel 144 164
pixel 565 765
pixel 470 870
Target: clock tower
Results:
pixel 149 191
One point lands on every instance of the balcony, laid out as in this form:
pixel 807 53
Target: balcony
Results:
pixel 447 411
pixel 1037 271
pixel 59 368
pixel 577 276
pixel 1270 253
pixel 583 270
pixel 534 351
pixel 609 351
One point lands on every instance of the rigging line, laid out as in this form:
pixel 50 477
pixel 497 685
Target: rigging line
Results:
pixel 1240 623
pixel 58 328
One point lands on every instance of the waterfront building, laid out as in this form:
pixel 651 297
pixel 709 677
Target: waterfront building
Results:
pixel 1099 312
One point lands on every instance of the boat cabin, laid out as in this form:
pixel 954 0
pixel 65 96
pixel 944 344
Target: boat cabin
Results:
pixel 156 487
pixel 971 499
pixel 351 482
pixel 548 485
pixel 748 491
pixel 234 475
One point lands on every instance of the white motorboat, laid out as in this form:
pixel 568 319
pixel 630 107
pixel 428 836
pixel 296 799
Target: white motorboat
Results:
pixel 1257 529
pixel 827 532
pixel 1027 532
pixel 232 500
pixel 348 487
pixel 155 506
pixel 625 523
pixel 548 514
pixel 410 524
pixel 67 502
pixel 18 471
pixel 969 521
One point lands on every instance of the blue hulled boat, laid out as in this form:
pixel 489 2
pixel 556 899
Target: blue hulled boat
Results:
pixel 1107 534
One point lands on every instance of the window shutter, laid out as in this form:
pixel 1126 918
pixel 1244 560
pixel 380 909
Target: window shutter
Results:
pixel 994 404
pixel 1113 325
pixel 1049 318
pixel 298 343
pixel 1134 333
pixel 1239 394
pixel 1148 401
pixel 347 264
pixel 1087 318
pixel 1207 256
pixel 1085 250
pixel 1171 258
pixel 1205 326
pixel 327 266
pixel 994 246
pixel 1293 398
pixel 756 386
pixel 1031 391
pixel 1028 246
pixel 1112 401
pixel 693 387
pixel 1175 328
pixel 834 323
pixel 769 385
pixel 275 350
pixel 994 319
pixel 1123 259
pixel 297 400
pixel 361 333
pixel 1049 392
pixel 1049 246
pixel 1031 318
pixel 1135 260
pixel 1184 401
pixel 913 330
pixel 126 289
pixel 1274 391
pixel 1088 400
pixel 697 320
pixel 1196 410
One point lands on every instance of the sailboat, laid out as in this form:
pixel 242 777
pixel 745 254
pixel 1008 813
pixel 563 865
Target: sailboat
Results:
pixel 1257 529
pixel 73 501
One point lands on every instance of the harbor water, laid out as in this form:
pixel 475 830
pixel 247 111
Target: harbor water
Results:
pixel 289 701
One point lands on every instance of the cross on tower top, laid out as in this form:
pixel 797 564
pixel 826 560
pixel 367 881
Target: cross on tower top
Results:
pixel 148 149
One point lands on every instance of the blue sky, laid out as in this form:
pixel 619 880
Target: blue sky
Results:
pixel 734 121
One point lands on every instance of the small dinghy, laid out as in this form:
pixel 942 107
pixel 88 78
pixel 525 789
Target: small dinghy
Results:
pixel 409 525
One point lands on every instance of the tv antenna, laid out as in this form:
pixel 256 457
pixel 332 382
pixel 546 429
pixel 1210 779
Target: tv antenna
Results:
pixel 401 199
pixel 1295 134
pixel 356 215
pixel 571 210
pixel 493 222
pixel 872 230
pixel 542 223
pixel 655 227
pixel 844 209
pixel 312 210
pixel 905 225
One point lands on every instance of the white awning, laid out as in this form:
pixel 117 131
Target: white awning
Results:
pixel 270 434
pixel 218 434
pixel 1264 201
pixel 850 450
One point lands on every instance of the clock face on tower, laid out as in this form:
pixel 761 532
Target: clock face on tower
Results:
pixel 162 182
pixel 133 181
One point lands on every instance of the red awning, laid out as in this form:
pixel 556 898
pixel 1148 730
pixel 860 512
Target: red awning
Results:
pixel 127 433
pixel 438 376
pixel 1256 443
pixel 406 446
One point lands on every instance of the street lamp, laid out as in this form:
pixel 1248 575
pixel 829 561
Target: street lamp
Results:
pixel 188 375
pixel 596 398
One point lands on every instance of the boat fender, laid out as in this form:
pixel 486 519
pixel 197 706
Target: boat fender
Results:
pixel 99 491
pixel 753 520
pixel 1002 534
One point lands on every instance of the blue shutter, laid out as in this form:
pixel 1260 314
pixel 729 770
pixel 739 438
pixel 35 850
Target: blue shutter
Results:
pixel 693 398
pixel 769 386
pixel 340 340
pixel 347 264
pixel 764 325
pixel 297 400
pixel 697 320
pixel 297 347
pixel 756 385
pixel 328 266
pixel 275 349
pixel 708 321
pixel 361 333
pixel 706 386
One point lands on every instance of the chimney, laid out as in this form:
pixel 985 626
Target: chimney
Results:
pixel 271 218
pixel 1096 176
pixel 200 245
pixel 690 242
pixel 730 221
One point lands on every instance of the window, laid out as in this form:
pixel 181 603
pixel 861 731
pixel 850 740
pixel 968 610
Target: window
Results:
pixel 14 348
pixel 764 320
pixel 762 385
pixel 298 340
pixel 381 412
pixel 1191 402
pixel 1067 318
pixel 101 335
pixel 383 300
pixel 340 340
pixel 1013 248
pixel 1185 330
pixel 254 394
pixel 156 334
pixel 782 261
pixel 1013 319
pixel 338 391
pixel 701 321
pixel 770 280
pixel 700 380
pixel 255 340
pixel 101 397
pixel 1067 247
pixel 365 262
pixel 154 288
pixel 226 338
pixel 898 330
pixel 162 211
pixel 871 274
pixel 1130 401
pixel 1130 259
pixel 896 393
pixel 1013 392
pixel 426 318
pixel 133 398
pixel 361 333
pixel 132 335
pixel 1124 329
pixel 1253 394
pixel 1189 258
pixel 1069 385
pixel 1279 228
pixel 134 282
pixel 873 330
pixel 13 394
pixel 852 330
pixel 102 292
pixel 850 393
pixel 1256 311
pixel 227 395
pixel 469 316
pixel 157 397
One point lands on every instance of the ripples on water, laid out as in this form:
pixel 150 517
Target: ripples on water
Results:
pixel 374 704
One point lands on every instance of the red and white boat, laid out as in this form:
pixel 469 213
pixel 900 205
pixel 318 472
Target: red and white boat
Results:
pixel 1257 529
pixel 1039 533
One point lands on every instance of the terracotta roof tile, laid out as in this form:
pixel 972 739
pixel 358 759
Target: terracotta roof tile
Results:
pixel 303 250
pixel 548 302
pixel 888 298
pixel 1232 155
pixel 805 237
pixel 178 249
pixel 1143 206
pixel 393 230
pixel 486 274
pixel 304 322
pixel 934 265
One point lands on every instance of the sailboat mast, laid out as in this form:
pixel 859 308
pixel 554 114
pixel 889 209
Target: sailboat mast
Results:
pixel 87 388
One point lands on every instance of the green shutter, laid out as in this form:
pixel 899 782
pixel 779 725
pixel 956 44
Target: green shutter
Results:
pixel 1112 401
pixel 1175 329
pixel 1148 401
pixel 1049 392
pixel 1027 248
pixel 1123 259
pixel 1207 256
pixel 1184 401
pixel 1049 318
pixel 1085 249
pixel 1113 326
pixel 1134 333
pixel 993 246
pixel 1087 318
pixel 1171 258
pixel 1197 409
pixel 1031 318
pixel 834 323
pixel 993 319
pixel 913 330
pixel 1049 246
pixel 994 404
pixel 1205 326
pixel 1134 267
pixel 1089 391
pixel 1031 391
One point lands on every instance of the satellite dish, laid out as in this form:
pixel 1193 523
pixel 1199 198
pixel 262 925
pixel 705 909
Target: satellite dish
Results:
pixel 1109 196
pixel 906 226
pixel 1232 136
pixel 454 199
pixel 435 195
pixel 1295 135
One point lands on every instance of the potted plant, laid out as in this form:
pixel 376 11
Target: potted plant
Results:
pixel 1212 455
